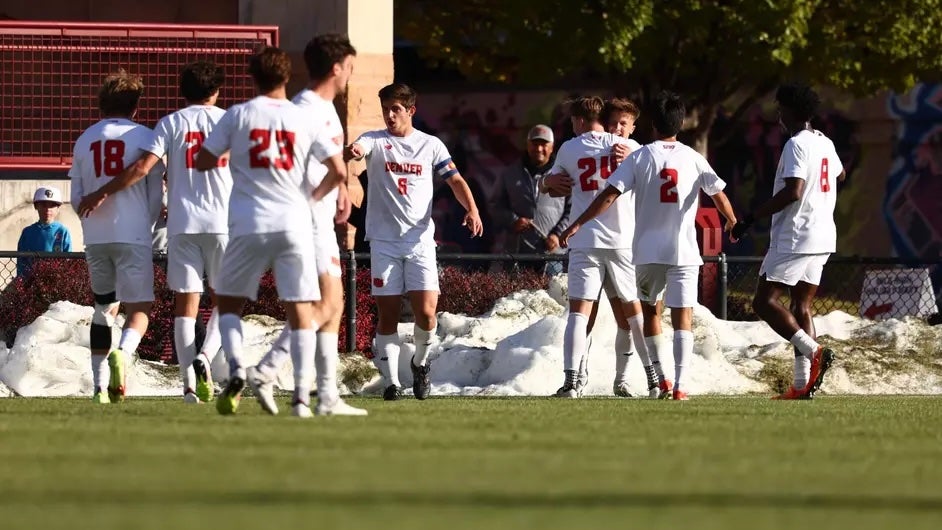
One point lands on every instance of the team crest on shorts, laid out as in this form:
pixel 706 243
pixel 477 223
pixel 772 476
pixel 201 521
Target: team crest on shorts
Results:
pixel 378 282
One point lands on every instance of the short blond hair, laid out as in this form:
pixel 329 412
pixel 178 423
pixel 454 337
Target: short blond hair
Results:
pixel 120 93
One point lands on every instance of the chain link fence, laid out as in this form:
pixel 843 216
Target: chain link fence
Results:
pixel 470 283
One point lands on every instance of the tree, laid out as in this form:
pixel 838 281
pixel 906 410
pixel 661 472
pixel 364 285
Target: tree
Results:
pixel 713 53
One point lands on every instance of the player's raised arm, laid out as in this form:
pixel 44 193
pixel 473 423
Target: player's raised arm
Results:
pixel 795 170
pixel 130 176
pixel 601 203
pixel 219 141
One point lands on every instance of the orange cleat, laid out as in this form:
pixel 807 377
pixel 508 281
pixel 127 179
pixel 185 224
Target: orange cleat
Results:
pixel 820 363
pixel 666 386
pixel 793 393
pixel 680 395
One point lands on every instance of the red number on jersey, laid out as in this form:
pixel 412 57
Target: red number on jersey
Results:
pixel 825 183
pixel 669 187
pixel 605 166
pixel 109 158
pixel 194 142
pixel 403 186
pixel 262 139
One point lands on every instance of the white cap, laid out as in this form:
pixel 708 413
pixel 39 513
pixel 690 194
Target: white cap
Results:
pixel 48 194
pixel 541 132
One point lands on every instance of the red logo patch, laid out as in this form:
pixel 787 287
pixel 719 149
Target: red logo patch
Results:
pixel 388 146
pixel 378 282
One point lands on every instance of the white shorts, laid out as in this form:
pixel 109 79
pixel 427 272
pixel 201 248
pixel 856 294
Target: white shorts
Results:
pixel 190 257
pixel 290 255
pixel 328 254
pixel 122 268
pixel 399 267
pixel 680 282
pixel 789 269
pixel 591 270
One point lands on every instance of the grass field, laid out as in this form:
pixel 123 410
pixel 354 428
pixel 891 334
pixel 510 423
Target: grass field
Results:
pixel 836 462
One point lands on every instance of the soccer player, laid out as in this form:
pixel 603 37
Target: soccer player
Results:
pixel 404 165
pixel 803 236
pixel 329 60
pixel 667 177
pixel 118 234
pixel 273 149
pixel 600 256
pixel 197 217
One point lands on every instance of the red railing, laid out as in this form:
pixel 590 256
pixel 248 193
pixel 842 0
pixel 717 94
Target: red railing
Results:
pixel 50 73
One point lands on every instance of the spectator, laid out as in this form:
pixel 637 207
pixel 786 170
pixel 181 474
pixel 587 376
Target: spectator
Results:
pixel 46 235
pixel 530 221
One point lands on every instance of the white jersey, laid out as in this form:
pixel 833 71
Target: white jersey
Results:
pixel 402 173
pixel 101 153
pixel 198 201
pixel 588 161
pixel 806 226
pixel 322 114
pixel 273 150
pixel 667 178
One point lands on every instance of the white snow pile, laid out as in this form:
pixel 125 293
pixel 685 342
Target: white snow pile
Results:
pixel 516 350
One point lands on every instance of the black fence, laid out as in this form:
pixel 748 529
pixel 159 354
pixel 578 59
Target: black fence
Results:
pixel 727 283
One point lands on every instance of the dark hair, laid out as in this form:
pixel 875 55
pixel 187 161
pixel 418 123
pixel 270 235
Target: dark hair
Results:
pixel 800 99
pixel 618 105
pixel 324 51
pixel 400 92
pixel 200 80
pixel 587 108
pixel 119 94
pixel 668 113
pixel 270 68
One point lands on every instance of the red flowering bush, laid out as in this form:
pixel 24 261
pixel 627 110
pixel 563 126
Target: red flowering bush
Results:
pixel 474 293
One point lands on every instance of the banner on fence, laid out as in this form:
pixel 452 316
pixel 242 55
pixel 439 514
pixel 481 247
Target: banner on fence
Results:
pixel 892 293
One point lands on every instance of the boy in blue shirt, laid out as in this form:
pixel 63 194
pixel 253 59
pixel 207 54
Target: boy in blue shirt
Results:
pixel 46 235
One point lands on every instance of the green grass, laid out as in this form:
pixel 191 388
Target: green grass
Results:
pixel 836 462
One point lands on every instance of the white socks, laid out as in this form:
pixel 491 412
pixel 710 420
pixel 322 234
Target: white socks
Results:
pixel 683 350
pixel 636 325
pixel 278 355
pixel 184 338
pixel 130 339
pixel 230 328
pixel 423 339
pixel 622 354
pixel 302 355
pixel 574 340
pixel 653 345
pixel 802 371
pixel 325 361
pixel 805 344
pixel 213 341
pixel 101 376
pixel 387 353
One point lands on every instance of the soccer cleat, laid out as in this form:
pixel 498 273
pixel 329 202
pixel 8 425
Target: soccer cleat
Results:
pixel 117 384
pixel 567 391
pixel 228 400
pixel 793 393
pixel 264 390
pixel 392 393
pixel 337 407
pixel 654 392
pixel 680 395
pixel 190 397
pixel 301 410
pixel 100 398
pixel 665 387
pixel 204 380
pixel 621 390
pixel 421 383
pixel 820 363
pixel 583 380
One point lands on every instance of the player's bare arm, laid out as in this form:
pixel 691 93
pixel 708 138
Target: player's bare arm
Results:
pixel 131 175
pixel 793 190
pixel 721 201
pixel 205 160
pixel 601 203
pixel 344 205
pixel 352 152
pixel 556 185
pixel 336 176
pixel 621 152
pixel 463 193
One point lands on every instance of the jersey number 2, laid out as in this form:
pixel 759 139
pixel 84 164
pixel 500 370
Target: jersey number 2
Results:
pixel 194 142
pixel 109 157
pixel 669 187
pixel 605 166
pixel 262 139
